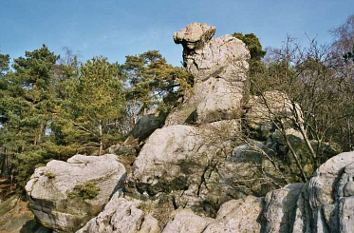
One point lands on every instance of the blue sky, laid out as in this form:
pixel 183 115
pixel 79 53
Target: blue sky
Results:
pixel 116 28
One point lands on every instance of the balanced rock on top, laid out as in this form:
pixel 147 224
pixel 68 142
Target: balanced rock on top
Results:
pixel 219 67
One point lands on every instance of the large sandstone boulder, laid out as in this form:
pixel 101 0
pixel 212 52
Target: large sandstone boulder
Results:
pixel 184 160
pixel 65 195
pixel 242 215
pixel 219 67
pixel 279 208
pixel 122 215
pixel 185 221
pixel 224 57
pixel 326 204
pixel 194 35
pixel 160 162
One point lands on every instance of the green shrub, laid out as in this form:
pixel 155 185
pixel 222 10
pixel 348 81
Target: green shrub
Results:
pixel 88 190
pixel 50 175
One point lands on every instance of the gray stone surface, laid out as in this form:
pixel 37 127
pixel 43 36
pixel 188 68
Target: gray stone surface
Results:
pixel 326 204
pixel 279 209
pixel 122 215
pixel 184 160
pixel 263 109
pixel 146 125
pixel 219 67
pixel 50 187
pixel 194 34
pixel 185 221
pixel 163 153
pixel 346 215
pixel 242 215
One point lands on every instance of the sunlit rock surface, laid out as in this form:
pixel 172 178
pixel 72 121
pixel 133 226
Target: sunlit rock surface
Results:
pixel 219 67
pixel 58 204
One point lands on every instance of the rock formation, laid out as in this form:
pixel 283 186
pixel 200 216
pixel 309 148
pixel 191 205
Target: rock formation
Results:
pixel 217 165
pixel 182 159
pixel 219 67
pixel 65 195
pixel 326 204
pixel 122 215
pixel 264 109
pixel 184 220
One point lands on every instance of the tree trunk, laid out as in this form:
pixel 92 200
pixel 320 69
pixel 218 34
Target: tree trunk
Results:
pixel 101 139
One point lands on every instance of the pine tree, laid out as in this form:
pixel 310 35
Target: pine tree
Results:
pixel 152 83
pixel 27 105
pixel 98 103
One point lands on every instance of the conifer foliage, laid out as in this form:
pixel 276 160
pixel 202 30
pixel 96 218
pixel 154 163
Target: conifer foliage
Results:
pixel 53 108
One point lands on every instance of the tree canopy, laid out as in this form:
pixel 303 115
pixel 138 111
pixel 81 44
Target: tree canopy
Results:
pixel 52 107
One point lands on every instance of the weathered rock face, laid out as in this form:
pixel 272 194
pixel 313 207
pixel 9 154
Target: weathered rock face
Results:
pixel 248 171
pixel 184 161
pixel 326 204
pixel 279 209
pixel 264 109
pixel 194 35
pixel 224 57
pixel 241 215
pixel 65 195
pixel 122 215
pixel 184 220
pixel 164 151
pixel 15 217
pixel 219 67
pixel 146 125
pixel 194 162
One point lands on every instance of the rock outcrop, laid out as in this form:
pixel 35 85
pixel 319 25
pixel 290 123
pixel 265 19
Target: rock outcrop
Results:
pixel 146 125
pixel 242 215
pixel 262 110
pixel 15 217
pixel 324 204
pixel 122 215
pixel 183 161
pixel 184 220
pixel 217 164
pixel 279 208
pixel 219 67
pixel 65 195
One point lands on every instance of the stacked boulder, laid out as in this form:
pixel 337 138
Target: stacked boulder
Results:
pixel 219 67
pixel 185 159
